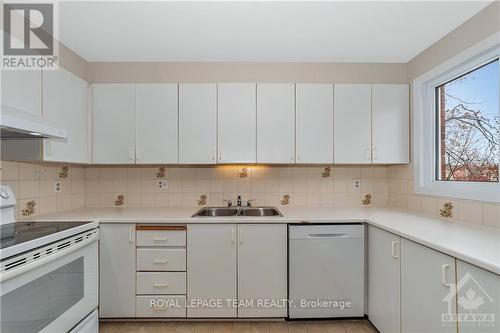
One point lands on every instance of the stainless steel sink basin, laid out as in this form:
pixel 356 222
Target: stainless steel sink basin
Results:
pixel 237 211
pixel 259 211
pixel 217 211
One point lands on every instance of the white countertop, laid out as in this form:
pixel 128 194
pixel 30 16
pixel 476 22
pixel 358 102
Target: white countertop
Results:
pixel 477 245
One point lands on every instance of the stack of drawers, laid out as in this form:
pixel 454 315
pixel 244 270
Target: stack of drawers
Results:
pixel 161 271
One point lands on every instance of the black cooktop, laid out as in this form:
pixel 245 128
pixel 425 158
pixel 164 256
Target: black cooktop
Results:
pixel 20 232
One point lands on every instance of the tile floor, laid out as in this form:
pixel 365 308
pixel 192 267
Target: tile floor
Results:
pixel 338 326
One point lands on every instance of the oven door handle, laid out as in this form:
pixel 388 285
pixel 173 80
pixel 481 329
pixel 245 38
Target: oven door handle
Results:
pixel 37 263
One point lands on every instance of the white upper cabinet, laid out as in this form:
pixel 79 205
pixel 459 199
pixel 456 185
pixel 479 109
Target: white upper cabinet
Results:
pixel 22 92
pixel 113 110
pixel 197 123
pixel 65 106
pixel 314 123
pixel 275 123
pixel 156 123
pixel 352 123
pixel 237 118
pixel 390 123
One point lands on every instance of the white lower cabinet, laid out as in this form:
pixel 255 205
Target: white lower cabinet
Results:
pixel 231 263
pixel 161 306
pixel 478 300
pixel 117 270
pixel 427 289
pixel 262 270
pixel 384 280
pixel 211 267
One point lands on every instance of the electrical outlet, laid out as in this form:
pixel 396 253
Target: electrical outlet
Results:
pixel 356 184
pixel 57 187
pixel 162 185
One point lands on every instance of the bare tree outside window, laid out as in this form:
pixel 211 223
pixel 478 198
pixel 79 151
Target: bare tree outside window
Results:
pixel 468 126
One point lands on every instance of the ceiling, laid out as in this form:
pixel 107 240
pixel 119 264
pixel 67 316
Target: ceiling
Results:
pixel 354 31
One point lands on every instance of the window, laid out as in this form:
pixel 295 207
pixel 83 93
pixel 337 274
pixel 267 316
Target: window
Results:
pixel 467 125
pixel 456 125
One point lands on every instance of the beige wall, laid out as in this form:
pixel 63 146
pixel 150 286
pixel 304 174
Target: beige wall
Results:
pixel 246 72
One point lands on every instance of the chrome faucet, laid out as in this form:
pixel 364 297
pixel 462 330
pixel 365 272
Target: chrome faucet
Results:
pixel 229 202
pixel 239 201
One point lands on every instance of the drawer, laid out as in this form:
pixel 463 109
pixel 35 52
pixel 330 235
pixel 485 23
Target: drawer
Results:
pixel 161 235
pixel 149 259
pixel 160 283
pixel 160 306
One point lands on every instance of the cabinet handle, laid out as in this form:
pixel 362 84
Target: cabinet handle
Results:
pixel 394 252
pixel 131 235
pixel 137 155
pixel 374 153
pixel 232 236
pixel 160 239
pixel 241 236
pixel 220 157
pixel 159 261
pixel 444 274
pixel 367 154
pixel 131 154
pixel 160 285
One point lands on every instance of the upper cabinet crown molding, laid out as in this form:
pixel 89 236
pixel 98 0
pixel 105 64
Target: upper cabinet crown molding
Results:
pixel 314 123
pixel 237 122
pixel 198 123
pixel 275 123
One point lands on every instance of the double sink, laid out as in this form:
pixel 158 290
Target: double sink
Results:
pixel 237 211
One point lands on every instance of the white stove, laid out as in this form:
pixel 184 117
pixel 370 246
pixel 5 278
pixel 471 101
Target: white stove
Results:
pixel 48 273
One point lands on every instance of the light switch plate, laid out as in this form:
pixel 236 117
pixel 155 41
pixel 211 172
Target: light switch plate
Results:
pixel 163 185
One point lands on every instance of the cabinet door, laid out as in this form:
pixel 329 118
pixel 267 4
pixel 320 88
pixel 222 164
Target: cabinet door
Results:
pixel 478 294
pixel 390 123
pixel 237 123
pixel 275 123
pixel 427 292
pixel 156 123
pixel 197 123
pixel 65 98
pixel 117 270
pixel 384 280
pixel 211 268
pixel 113 113
pixel 265 278
pixel 22 92
pixel 314 122
pixel 352 123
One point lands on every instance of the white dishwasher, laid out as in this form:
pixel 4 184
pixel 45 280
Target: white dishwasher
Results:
pixel 326 271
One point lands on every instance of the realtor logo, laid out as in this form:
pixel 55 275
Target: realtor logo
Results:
pixel 30 30
pixel 472 303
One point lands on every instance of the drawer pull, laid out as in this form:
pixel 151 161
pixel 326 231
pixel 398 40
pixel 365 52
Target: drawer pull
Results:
pixel 159 261
pixel 160 285
pixel 160 239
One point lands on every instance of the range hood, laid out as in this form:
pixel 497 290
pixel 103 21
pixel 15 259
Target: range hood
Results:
pixel 15 128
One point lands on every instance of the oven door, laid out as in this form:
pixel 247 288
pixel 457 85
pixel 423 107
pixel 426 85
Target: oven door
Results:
pixel 53 294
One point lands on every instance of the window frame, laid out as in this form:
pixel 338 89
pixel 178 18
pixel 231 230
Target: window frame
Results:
pixel 425 121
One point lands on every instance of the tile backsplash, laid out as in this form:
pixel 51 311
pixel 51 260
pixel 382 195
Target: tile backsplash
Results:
pixel 44 188
pixel 402 196
pixel 267 185
pixel 331 186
